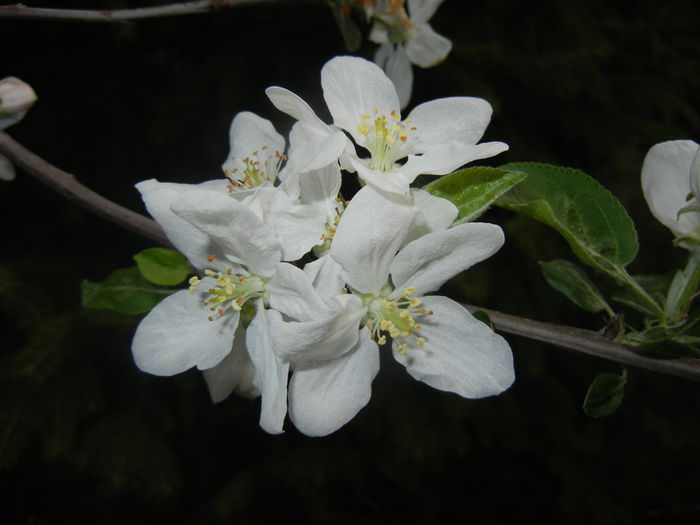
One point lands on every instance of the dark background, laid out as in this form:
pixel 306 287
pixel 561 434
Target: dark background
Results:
pixel 87 438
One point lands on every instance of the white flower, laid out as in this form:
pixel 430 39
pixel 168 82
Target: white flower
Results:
pixel 436 138
pixel 435 338
pixel 405 39
pixel 242 262
pixel 16 97
pixel 671 186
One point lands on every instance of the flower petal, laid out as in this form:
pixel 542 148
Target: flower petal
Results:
pixel 177 335
pixel 325 395
pixel 370 232
pixel 396 64
pixel 193 243
pixel 447 157
pixel 437 214
pixel 452 119
pixel 255 138
pixel 270 372
pixel 325 337
pixel 230 224
pixel 352 87
pixel 428 262
pixel 233 374
pixel 427 48
pixel 292 294
pixel 460 355
pixel 666 185
pixel 326 276
pixel 297 227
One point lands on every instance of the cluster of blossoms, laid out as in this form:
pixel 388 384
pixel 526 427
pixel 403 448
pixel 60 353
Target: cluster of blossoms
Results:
pixel 405 38
pixel 299 290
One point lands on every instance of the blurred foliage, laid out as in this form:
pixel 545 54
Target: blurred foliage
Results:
pixel 87 438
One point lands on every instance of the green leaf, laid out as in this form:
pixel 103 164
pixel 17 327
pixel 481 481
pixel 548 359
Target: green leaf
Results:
pixel 605 394
pixel 666 341
pixel 352 37
pixel 472 190
pixel 570 280
pixel 588 216
pixel 162 266
pixel 483 317
pixel 125 291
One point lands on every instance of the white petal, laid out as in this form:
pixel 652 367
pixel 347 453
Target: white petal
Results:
pixel 233 374
pixel 369 234
pixel 325 337
pixel 320 188
pixel 292 294
pixel 7 170
pixel 666 185
pixel 326 276
pixel 396 64
pixel 422 10
pixel 394 182
pixel 428 262
pixel 177 335
pixel 270 376
pixel 452 119
pixel 325 395
pixel 250 133
pixel 352 87
pixel 193 243
pixel 427 48
pixel 447 157
pixel 239 233
pixel 297 227
pixel 294 106
pixel 437 214
pixel 695 174
pixel 460 355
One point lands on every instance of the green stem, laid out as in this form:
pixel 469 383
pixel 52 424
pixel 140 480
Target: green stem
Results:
pixel 628 280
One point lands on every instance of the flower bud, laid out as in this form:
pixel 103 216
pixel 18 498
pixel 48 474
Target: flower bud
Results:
pixel 16 97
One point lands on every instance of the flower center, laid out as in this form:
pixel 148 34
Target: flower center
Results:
pixel 231 290
pixel 395 318
pixel 331 227
pixel 260 167
pixel 384 136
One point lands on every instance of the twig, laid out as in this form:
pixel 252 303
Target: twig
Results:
pixel 562 336
pixel 591 343
pixel 122 15
pixel 67 185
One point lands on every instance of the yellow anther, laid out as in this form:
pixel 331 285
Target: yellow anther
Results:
pixel 415 302
pixel 394 332
pixel 409 291
pixel 363 129
pixel 235 306
pixel 209 273
pixel 385 325
pixel 402 348
pixel 382 340
pixel 421 342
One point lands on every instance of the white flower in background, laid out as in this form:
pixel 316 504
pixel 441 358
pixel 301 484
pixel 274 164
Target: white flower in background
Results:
pixel 435 338
pixel 16 97
pixel 436 138
pixel 242 269
pixel 671 186
pixel 256 155
pixel 405 39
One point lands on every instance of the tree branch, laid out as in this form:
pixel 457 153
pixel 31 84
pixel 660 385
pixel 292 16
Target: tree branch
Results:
pixel 67 185
pixel 591 343
pixel 566 337
pixel 122 15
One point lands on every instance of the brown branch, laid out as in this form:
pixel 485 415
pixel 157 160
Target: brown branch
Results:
pixel 67 185
pixel 567 337
pixel 22 11
pixel 591 343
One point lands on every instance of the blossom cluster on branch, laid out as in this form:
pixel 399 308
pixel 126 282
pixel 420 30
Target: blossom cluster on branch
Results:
pixel 298 289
